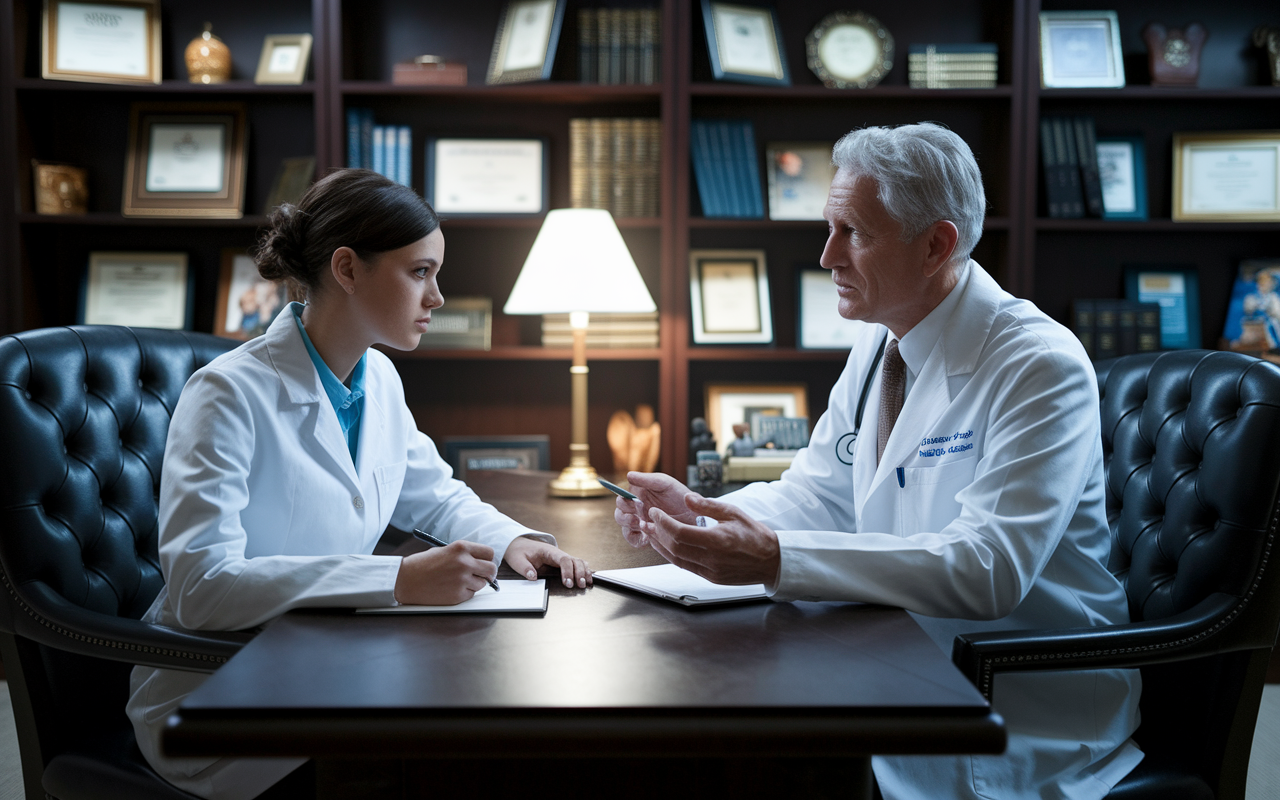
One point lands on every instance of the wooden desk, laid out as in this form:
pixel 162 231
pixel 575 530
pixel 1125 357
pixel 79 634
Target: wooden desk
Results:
pixel 754 695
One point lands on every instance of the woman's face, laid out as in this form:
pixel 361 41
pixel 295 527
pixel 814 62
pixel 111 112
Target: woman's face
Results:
pixel 395 297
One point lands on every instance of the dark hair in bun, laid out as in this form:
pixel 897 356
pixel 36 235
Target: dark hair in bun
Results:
pixel 355 208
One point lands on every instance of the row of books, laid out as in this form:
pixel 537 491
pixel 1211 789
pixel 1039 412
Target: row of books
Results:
pixel 619 45
pixel 385 149
pixel 613 164
pixel 1110 328
pixel 1069 152
pixel 603 330
pixel 725 168
pixel 952 66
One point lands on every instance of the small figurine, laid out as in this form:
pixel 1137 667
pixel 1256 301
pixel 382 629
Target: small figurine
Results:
pixel 701 439
pixel 1174 54
pixel 208 59
pixel 743 446
pixel 634 441
pixel 1268 38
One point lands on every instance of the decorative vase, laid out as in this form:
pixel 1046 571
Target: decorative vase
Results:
pixel 208 59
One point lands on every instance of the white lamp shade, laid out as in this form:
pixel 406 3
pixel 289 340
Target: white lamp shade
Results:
pixel 579 263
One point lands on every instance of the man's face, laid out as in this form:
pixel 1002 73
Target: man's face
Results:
pixel 879 277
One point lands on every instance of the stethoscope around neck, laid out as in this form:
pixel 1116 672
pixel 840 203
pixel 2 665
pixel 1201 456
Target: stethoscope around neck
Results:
pixel 844 446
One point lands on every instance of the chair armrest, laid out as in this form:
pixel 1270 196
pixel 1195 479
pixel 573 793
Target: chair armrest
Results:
pixel 1197 631
pixel 42 615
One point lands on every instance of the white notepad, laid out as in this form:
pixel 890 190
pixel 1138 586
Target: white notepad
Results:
pixel 679 586
pixel 517 596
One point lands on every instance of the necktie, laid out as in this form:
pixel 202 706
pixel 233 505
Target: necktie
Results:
pixel 893 384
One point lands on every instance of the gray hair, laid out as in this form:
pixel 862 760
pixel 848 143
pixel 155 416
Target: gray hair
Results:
pixel 925 173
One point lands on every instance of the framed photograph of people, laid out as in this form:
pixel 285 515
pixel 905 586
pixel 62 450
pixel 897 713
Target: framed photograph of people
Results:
pixel 483 177
pixel 729 292
pixel 101 42
pixel 1080 49
pixel 141 290
pixel 1177 290
pixel 1226 177
pixel 735 404
pixel 185 160
pixel 284 58
pixel 1122 169
pixel 525 45
pixel 819 324
pixel 800 175
pixel 745 43
pixel 470 453
pixel 1253 313
pixel 247 302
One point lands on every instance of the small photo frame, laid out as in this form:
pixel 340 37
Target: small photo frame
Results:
pixel 185 160
pixel 101 42
pixel 485 177
pixel 1122 170
pixel 1080 49
pixel 140 290
pixel 1232 176
pixel 1176 289
pixel 745 43
pixel 247 302
pixel 292 181
pixel 524 48
pixel 284 59
pixel 819 325
pixel 462 323
pixel 522 453
pixel 800 175
pixel 734 404
pixel 1253 314
pixel 729 292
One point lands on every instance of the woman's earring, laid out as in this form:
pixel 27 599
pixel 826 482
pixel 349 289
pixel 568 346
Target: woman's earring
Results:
pixel 351 290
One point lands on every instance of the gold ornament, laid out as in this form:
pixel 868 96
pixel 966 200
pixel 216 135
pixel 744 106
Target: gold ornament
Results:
pixel 208 59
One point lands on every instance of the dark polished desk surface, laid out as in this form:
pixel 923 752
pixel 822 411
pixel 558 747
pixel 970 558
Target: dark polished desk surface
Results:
pixel 603 673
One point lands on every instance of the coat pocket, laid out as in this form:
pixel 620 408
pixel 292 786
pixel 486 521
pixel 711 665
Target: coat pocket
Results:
pixel 390 480
pixel 927 501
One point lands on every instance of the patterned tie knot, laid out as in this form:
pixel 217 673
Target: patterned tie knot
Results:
pixel 893 385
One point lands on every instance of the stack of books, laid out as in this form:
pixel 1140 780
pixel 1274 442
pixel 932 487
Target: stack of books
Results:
pixel 726 167
pixel 619 45
pixel 1110 328
pixel 952 66
pixel 385 149
pixel 1069 152
pixel 603 330
pixel 613 164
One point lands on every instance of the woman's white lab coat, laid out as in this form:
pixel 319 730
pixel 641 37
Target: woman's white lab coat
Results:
pixel 986 512
pixel 262 511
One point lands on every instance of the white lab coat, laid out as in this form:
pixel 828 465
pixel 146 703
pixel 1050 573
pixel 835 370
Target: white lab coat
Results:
pixel 262 511
pixel 1008 533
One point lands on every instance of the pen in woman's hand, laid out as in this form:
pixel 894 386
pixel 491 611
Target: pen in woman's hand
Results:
pixel 436 541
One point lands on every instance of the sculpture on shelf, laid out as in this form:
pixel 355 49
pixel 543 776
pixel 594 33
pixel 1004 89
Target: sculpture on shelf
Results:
pixel 1174 54
pixel 1268 38
pixel 208 59
pixel 634 441
pixel 701 439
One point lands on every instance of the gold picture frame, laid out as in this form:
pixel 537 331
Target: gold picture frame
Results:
pixel 728 404
pixel 133 50
pixel 247 302
pixel 186 160
pixel 1227 176
pixel 524 48
pixel 284 59
pixel 729 297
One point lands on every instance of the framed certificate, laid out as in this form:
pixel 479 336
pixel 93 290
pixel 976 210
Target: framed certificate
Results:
pixel 247 302
pixel 1122 170
pixel 800 175
pixel 1177 290
pixel 849 50
pixel 819 324
pixel 142 290
pixel 745 44
pixel 479 177
pixel 1080 49
pixel 523 452
pixel 525 46
pixel 101 42
pixel 185 160
pixel 739 404
pixel 1232 176
pixel 284 58
pixel 730 297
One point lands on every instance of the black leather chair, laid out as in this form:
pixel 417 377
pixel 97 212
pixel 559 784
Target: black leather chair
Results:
pixel 84 413
pixel 1192 447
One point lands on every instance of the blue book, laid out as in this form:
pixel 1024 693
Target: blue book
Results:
pixel 404 143
pixel 379 151
pixel 391 144
pixel 366 138
pixel 751 170
pixel 354 119
pixel 699 149
pixel 734 203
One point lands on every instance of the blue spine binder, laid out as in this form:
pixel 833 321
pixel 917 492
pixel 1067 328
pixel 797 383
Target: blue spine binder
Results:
pixel 354 118
pixel 751 170
pixel 729 160
pixel 403 148
pixel 379 151
pixel 700 147
pixel 366 138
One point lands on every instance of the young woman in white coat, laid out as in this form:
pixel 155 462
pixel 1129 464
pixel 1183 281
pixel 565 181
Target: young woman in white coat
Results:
pixel 289 456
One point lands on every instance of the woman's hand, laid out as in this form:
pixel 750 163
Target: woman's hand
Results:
pixel 525 555
pixel 445 576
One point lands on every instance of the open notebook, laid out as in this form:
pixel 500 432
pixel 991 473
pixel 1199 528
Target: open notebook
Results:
pixel 517 596
pixel 679 586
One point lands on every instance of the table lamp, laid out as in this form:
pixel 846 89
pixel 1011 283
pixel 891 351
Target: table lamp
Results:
pixel 579 265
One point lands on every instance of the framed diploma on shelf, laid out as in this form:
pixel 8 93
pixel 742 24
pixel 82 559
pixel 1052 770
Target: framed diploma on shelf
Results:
pixel 745 44
pixel 480 177
pixel 141 290
pixel 820 326
pixel 1232 176
pixel 101 42
pixel 729 291
pixel 185 160
pixel 525 46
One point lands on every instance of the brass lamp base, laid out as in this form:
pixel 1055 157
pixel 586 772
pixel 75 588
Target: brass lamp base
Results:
pixel 577 482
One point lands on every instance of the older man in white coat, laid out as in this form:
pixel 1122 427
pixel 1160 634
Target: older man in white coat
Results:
pixel 972 493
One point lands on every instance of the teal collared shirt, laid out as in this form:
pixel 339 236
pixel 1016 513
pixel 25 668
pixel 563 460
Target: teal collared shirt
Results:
pixel 348 403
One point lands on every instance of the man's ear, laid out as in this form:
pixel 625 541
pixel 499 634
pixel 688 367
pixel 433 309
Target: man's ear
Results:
pixel 941 243
pixel 343 267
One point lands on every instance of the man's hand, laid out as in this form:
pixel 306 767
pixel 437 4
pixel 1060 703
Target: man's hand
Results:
pixel 445 576
pixel 525 555
pixel 737 551
pixel 655 490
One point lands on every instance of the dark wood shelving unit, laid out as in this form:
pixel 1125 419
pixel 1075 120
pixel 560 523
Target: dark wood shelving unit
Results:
pixel 519 386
